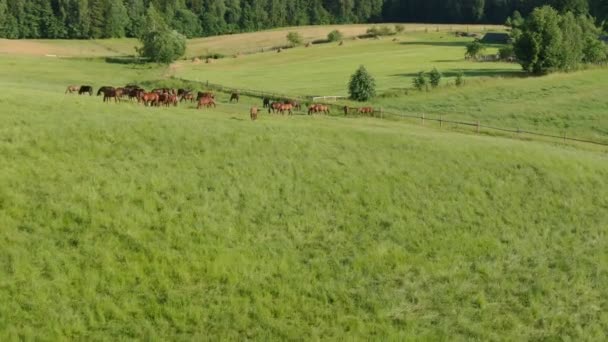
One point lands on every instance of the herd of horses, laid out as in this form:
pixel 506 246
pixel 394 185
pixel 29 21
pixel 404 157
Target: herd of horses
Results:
pixel 171 97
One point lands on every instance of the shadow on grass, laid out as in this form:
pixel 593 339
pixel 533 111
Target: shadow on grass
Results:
pixel 474 73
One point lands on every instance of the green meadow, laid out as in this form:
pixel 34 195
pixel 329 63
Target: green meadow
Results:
pixel 125 222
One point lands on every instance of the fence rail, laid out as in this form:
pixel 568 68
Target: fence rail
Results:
pixel 383 113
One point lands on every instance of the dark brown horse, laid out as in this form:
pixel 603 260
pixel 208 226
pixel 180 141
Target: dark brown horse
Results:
pixel 266 102
pixel 234 97
pixel 85 89
pixel 102 90
pixel 109 94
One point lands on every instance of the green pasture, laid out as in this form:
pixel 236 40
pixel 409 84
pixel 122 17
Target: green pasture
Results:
pixel 125 222
pixel 324 70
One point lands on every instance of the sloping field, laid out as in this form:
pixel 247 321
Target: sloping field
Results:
pixel 123 221
pixel 325 70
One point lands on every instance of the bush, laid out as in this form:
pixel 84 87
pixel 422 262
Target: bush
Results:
pixel 474 49
pixel 294 38
pixel 379 31
pixel 506 52
pixel 420 82
pixel 399 28
pixel 362 86
pixel 460 79
pixel 435 77
pixel 334 36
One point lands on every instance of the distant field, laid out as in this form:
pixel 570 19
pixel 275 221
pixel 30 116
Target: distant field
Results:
pixel 325 69
pixel 231 44
pixel 120 221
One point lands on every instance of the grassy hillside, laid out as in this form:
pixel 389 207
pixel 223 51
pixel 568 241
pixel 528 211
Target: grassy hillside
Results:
pixel 121 221
pixel 325 70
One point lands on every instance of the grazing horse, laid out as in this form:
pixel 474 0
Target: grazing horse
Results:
pixel 286 108
pixel 205 102
pixel 171 100
pixel 253 113
pixel 85 89
pixel 266 102
pixel 274 107
pixel 102 90
pixel 366 110
pixel 202 95
pixel 72 89
pixel 110 94
pixel 318 108
pixel 234 96
pixel 148 99
pixel 295 104
pixel 189 96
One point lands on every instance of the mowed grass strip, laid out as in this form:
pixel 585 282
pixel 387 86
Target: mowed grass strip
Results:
pixel 122 221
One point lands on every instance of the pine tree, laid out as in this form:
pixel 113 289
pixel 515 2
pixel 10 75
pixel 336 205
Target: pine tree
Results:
pixel 362 85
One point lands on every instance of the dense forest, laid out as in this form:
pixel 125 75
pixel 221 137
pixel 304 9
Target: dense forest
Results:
pixel 120 18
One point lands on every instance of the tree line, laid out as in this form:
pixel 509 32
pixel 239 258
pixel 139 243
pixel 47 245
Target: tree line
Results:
pixel 83 19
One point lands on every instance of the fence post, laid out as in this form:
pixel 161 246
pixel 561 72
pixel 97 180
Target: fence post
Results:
pixel 564 137
pixel 422 119
pixel 440 121
pixel 477 127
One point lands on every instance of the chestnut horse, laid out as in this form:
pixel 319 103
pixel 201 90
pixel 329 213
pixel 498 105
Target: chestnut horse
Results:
pixel 318 108
pixel 148 99
pixel 274 107
pixel 366 110
pixel 205 102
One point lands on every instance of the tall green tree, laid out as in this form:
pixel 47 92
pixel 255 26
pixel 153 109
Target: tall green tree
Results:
pixel 116 19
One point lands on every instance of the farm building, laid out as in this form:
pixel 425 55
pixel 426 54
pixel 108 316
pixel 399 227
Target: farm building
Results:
pixel 496 38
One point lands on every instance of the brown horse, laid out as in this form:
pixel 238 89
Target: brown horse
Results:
pixel 109 94
pixel 172 100
pixel 366 110
pixel 102 90
pixel 253 113
pixel 148 99
pixel 235 97
pixel 318 108
pixel 72 89
pixel 274 107
pixel 286 108
pixel 189 96
pixel 296 105
pixel 202 95
pixel 205 102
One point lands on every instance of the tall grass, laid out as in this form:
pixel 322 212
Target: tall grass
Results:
pixel 120 221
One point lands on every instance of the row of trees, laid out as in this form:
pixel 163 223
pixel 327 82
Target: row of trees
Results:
pixel 120 18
